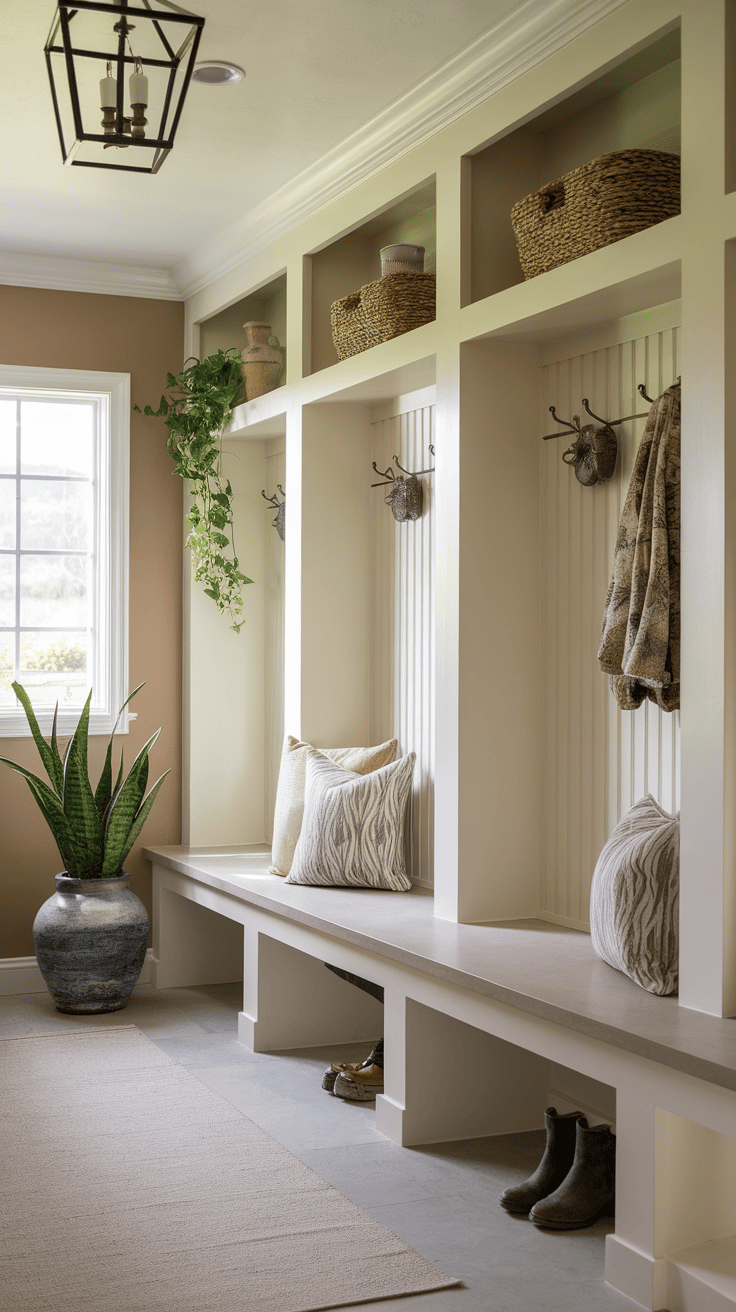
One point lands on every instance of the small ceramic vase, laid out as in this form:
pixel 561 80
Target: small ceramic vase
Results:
pixel 402 259
pixel 263 360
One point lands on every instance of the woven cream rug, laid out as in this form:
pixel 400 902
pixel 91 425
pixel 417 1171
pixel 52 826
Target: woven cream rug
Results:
pixel 128 1186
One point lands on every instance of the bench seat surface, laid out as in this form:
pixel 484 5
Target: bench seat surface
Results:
pixel 546 970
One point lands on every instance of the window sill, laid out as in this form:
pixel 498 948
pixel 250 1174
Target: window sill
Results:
pixel 15 725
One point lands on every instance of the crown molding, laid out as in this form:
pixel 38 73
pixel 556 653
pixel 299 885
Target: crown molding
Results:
pixel 101 277
pixel 520 41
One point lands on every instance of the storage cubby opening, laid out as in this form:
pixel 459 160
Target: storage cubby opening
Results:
pixel 369 595
pixel 570 755
pixel 634 105
pixel 695 1190
pixel 267 304
pixel 354 259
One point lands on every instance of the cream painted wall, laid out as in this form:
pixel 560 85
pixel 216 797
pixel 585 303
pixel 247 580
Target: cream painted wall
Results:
pixel 73 330
pixel 273 673
pixel 228 805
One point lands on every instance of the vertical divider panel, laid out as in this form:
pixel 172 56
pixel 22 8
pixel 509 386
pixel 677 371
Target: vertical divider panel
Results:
pixel 497 660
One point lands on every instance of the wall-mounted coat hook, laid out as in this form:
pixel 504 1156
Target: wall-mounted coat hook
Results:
pixel 593 453
pixel 279 522
pixel 406 497
pixel 416 474
pixel 387 475
pixel 573 426
pixel 651 399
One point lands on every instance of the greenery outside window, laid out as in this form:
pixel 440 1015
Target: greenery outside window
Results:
pixel 64 452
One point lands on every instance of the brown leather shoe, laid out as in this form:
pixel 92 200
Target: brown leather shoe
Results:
pixel 344 1068
pixel 361 1085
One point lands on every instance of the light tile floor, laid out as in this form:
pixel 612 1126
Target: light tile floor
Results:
pixel 441 1199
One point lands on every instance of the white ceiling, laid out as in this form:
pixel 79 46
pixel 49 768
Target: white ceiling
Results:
pixel 316 71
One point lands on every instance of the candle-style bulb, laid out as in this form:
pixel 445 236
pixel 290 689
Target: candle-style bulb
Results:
pixel 108 102
pixel 108 89
pixel 138 101
pixel 138 86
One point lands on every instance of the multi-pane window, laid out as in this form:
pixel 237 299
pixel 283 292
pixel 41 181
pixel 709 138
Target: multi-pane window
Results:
pixel 63 504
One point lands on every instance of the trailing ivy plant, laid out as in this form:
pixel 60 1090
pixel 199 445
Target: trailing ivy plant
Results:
pixel 199 404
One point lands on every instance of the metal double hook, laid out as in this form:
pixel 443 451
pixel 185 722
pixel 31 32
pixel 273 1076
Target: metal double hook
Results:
pixel 573 425
pixel 388 475
pixel 642 391
pixel 279 523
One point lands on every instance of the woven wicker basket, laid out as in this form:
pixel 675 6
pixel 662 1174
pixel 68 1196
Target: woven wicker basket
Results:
pixel 595 205
pixel 381 310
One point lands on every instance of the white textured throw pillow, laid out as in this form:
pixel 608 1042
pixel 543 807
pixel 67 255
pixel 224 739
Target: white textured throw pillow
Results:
pixel 353 827
pixel 287 820
pixel 634 897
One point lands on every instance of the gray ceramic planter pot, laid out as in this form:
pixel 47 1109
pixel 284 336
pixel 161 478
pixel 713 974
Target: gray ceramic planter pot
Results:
pixel 90 940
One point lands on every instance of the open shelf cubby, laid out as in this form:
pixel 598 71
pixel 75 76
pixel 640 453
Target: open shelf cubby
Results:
pixel 266 304
pixel 633 105
pixel 354 259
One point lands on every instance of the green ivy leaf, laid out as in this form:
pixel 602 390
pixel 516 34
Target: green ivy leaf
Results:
pixel 199 405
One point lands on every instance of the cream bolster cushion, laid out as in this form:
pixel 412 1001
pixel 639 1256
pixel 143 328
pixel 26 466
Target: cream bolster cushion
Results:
pixel 634 897
pixel 353 827
pixel 287 820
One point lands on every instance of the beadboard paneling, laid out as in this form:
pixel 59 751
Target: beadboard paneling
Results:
pixel 402 624
pixel 597 760
pixel 274 637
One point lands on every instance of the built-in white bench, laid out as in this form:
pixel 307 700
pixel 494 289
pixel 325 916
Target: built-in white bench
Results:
pixel 473 1017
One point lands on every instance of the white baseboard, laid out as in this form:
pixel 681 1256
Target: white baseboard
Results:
pixel 636 1274
pixel 568 921
pixel 21 975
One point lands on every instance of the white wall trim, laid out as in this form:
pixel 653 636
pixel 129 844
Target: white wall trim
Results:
pixel 58 273
pixel 108 672
pixel 21 975
pixel 496 58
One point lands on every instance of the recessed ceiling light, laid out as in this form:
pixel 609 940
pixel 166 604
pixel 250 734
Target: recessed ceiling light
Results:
pixel 216 73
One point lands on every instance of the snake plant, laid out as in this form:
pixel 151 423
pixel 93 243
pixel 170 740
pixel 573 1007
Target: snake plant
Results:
pixel 94 831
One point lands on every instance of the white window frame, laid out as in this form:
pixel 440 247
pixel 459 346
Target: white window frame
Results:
pixel 111 575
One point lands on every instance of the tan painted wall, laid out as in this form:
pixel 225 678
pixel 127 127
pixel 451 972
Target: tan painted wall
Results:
pixel 74 330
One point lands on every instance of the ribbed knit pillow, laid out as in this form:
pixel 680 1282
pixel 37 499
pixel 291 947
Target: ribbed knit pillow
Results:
pixel 287 820
pixel 353 827
pixel 634 897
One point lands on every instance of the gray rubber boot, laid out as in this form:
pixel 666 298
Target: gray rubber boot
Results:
pixel 559 1155
pixel 589 1190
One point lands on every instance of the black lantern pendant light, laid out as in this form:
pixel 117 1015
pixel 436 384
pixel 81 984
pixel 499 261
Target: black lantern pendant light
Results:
pixel 108 64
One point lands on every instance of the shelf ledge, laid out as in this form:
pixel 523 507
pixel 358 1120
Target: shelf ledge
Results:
pixel 263 417
pixel 634 274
